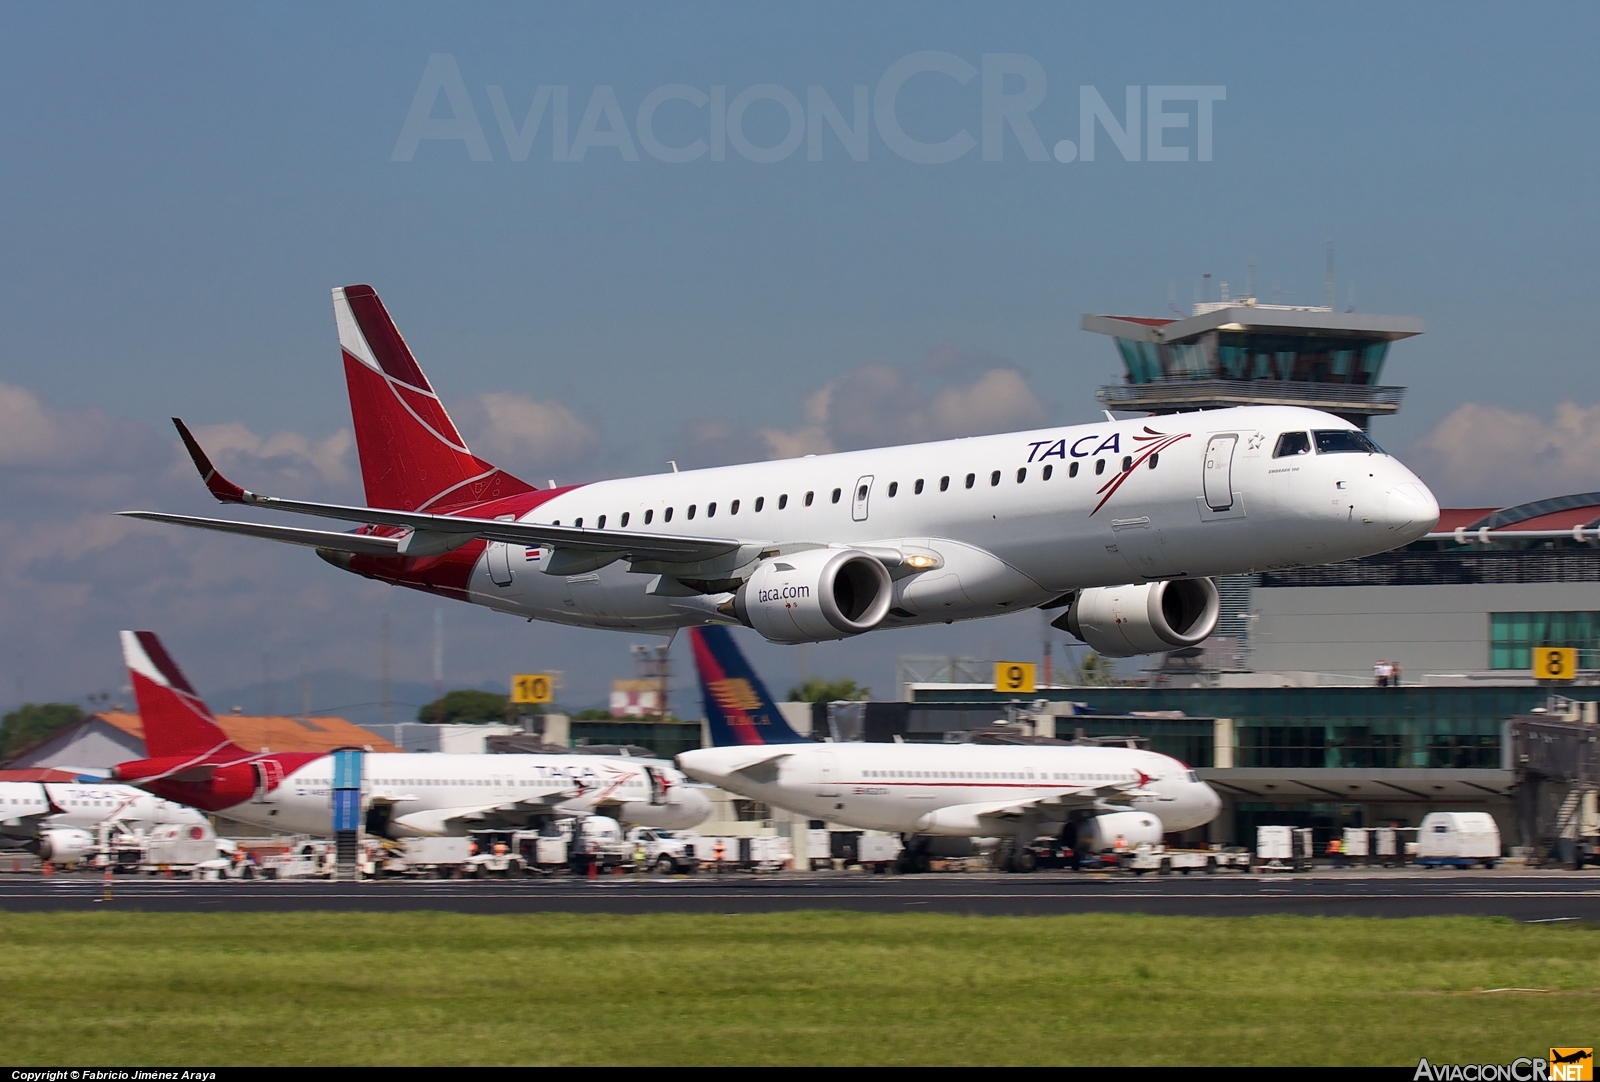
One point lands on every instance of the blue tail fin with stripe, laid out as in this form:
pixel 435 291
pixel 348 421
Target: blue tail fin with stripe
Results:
pixel 738 706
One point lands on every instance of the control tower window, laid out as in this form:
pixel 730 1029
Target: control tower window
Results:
pixel 1292 443
pixel 1342 441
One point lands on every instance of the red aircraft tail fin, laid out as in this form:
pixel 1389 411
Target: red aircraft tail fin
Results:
pixel 176 721
pixel 412 457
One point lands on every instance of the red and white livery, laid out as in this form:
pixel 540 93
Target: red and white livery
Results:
pixel 191 760
pixel 1120 523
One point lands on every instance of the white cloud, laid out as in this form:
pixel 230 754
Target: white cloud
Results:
pixel 232 446
pixel 876 405
pixel 1483 455
pixel 28 432
pixel 524 435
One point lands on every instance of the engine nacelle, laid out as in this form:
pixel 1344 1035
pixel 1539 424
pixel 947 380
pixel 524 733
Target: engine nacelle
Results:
pixel 1149 618
pixel 815 595
pixel 65 845
pixel 1134 828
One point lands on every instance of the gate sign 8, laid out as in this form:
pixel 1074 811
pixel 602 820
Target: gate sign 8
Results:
pixel 531 687
pixel 1555 663
pixel 1014 676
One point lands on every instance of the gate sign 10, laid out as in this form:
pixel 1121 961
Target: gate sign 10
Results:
pixel 531 687
pixel 1555 662
pixel 1014 676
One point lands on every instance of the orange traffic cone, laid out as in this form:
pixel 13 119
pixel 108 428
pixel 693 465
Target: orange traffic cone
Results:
pixel 105 895
pixel 45 869
pixel 594 869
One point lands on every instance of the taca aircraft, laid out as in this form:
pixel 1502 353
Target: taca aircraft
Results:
pixel 829 546
pixel 935 794
pixel 192 760
pixel 61 820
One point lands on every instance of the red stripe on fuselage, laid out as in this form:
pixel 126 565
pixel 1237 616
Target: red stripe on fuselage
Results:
pixel 448 575
pixel 233 779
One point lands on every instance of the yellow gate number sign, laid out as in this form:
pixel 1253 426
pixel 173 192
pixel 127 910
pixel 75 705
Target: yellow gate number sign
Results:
pixel 1014 676
pixel 1555 662
pixel 531 687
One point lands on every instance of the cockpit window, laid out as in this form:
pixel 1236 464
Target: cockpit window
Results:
pixel 1292 443
pixel 1341 441
pixel 1194 777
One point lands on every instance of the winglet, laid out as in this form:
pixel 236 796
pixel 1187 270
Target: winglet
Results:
pixel 223 489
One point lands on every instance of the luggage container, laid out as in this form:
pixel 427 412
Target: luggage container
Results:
pixel 1458 840
pixel 441 858
pixel 1282 849
pixel 1386 847
pixel 819 852
pixel 878 852
pixel 1357 845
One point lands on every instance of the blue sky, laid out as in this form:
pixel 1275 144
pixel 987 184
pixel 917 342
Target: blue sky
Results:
pixel 182 185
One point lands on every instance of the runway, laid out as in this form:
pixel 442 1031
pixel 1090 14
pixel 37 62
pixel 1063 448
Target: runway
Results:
pixel 1536 896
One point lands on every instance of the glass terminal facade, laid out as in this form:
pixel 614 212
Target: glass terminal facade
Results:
pixel 1514 635
pixel 1234 355
pixel 1322 727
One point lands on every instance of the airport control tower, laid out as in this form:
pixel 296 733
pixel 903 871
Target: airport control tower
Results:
pixel 1240 353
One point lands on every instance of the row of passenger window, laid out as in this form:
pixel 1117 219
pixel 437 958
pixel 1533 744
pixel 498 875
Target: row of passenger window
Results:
pixel 1000 775
pixel 894 490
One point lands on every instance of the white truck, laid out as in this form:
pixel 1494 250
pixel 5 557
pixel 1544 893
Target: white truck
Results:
pixel 1458 840
pixel 1164 861
pixel 441 858
pixel 746 852
pixel 666 852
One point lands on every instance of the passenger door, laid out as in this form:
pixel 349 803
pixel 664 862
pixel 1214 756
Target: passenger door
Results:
pixel 1219 471
pixel 858 505
pixel 499 560
pixel 827 774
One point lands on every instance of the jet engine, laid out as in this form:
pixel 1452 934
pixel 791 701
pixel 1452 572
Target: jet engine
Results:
pixel 1150 618
pixel 1134 828
pixel 65 845
pixel 815 595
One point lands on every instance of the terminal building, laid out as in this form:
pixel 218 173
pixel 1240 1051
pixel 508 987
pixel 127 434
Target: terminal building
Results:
pixel 1279 710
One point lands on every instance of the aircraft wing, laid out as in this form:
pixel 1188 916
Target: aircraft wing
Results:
pixel 23 828
pixel 434 534
pixel 1098 798
pixel 323 539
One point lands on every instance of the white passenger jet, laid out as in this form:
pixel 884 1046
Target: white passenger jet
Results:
pixel 931 793
pixel 1120 523
pixel 61 821
pixel 192 760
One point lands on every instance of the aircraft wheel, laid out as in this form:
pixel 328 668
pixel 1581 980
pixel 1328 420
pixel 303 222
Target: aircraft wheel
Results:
pixel 1024 861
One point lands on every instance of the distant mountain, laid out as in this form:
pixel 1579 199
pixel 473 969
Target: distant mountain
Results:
pixel 355 698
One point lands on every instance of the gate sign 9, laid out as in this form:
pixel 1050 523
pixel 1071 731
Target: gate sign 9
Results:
pixel 1555 663
pixel 1014 676
pixel 531 687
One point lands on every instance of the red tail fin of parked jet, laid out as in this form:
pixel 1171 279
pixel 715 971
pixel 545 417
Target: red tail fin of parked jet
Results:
pixel 176 721
pixel 412 457
pixel 190 758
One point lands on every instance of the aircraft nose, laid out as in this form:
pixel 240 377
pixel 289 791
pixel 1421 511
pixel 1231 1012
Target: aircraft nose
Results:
pixel 1410 509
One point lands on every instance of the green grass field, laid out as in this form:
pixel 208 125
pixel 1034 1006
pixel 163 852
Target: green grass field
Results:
pixel 438 988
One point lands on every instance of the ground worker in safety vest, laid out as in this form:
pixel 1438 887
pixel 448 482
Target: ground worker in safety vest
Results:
pixel 717 852
pixel 1336 852
pixel 639 856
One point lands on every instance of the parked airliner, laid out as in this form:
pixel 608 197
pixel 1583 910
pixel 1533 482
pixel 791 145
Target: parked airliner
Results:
pixel 927 792
pixel 1119 523
pixel 192 760
pixel 61 820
